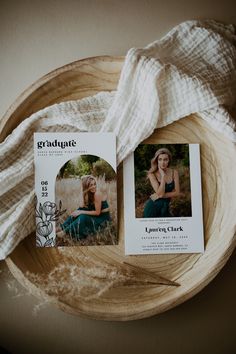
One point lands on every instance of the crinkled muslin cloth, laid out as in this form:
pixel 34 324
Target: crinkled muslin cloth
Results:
pixel 192 69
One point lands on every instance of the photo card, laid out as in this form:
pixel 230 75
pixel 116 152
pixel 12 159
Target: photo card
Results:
pixel 76 189
pixel 163 200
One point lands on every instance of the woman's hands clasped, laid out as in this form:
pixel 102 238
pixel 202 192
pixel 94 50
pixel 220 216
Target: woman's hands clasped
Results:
pixel 154 197
pixel 76 213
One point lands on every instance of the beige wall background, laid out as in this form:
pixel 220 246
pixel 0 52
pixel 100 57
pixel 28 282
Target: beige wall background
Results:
pixel 35 38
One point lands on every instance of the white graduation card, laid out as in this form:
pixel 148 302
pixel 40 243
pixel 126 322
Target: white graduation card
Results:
pixel 75 185
pixel 163 200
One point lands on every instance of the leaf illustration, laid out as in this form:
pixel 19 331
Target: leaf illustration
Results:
pixel 38 242
pixel 41 210
pixel 62 212
pixel 57 214
pixel 60 205
pixel 37 214
pixel 49 243
pixel 53 218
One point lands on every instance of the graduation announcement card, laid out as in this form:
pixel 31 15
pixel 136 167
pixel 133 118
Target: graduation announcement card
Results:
pixel 75 185
pixel 163 200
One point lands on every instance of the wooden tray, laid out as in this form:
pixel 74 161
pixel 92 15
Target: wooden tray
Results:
pixel 128 301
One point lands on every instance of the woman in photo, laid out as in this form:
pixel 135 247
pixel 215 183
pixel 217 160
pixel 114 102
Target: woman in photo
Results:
pixel 165 183
pixel 92 216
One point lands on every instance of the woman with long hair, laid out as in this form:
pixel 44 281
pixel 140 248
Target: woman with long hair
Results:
pixel 92 216
pixel 165 183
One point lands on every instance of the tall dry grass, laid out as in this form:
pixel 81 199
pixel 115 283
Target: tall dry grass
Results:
pixel 69 191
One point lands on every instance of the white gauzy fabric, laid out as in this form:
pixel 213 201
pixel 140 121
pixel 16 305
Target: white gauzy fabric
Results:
pixel 190 70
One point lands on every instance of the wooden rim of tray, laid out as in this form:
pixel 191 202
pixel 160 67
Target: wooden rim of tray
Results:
pixel 89 76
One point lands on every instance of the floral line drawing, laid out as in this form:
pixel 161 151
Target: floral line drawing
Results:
pixel 46 212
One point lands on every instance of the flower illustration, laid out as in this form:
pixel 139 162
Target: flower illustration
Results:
pixel 49 208
pixel 47 214
pixel 44 228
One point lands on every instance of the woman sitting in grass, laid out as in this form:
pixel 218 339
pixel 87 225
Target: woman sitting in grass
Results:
pixel 92 216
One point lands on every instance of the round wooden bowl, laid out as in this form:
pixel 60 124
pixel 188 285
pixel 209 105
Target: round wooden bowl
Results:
pixel 127 300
